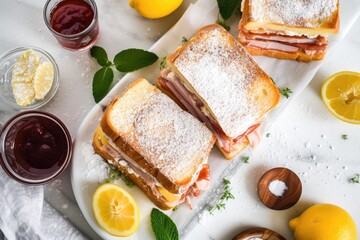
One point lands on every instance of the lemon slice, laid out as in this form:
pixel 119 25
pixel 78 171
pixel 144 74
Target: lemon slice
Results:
pixel 155 8
pixel 43 80
pixel 25 67
pixel 341 95
pixel 115 210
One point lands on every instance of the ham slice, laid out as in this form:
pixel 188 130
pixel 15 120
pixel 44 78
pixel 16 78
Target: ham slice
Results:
pixel 202 182
pixel 269 40
pixel 171 83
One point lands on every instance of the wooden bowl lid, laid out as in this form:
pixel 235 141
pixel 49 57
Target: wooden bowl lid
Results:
pixel 279 188
pixel 259 232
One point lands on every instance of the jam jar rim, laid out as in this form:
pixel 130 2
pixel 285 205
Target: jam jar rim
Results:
pixel 3 160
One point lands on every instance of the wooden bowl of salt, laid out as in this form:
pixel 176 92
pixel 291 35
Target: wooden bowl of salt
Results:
pixel 279 188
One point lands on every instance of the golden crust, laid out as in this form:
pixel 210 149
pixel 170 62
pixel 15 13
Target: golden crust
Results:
pixel 328 26
pixel 299 56
pixel 159 202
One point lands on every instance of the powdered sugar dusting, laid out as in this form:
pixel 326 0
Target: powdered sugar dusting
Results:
pixel 220 71
pixel 164 134
pixel 299 13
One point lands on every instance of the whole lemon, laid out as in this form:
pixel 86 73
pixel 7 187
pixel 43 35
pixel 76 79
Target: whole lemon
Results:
pixel 155 8
pixel 324 222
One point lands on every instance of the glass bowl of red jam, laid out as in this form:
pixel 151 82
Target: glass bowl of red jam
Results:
pixel 7 65
pixel 36 147
pixel 74 23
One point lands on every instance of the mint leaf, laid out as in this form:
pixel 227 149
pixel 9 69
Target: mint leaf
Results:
pixel 163 227
pixel 227 7
pixel 101 83
pixel 100 55
pixel 133 59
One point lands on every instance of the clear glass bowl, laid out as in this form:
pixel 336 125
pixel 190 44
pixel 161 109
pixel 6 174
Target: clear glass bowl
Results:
pixel 23 162
pixel 7 62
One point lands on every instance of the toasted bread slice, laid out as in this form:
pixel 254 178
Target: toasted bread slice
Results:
pixel 158 135
pixel 292 17
pixel 234 89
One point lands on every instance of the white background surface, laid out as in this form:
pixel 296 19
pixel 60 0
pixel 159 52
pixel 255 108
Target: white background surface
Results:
pixel 306 138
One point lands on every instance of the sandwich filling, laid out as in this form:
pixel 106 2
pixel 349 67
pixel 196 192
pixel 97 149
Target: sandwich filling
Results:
pixel 282 42
pixel 171 83
pixel 200 182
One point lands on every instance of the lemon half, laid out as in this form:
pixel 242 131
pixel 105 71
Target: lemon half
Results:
pixel 341 95
pixel 115 210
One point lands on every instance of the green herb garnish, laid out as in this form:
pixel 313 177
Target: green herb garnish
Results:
pixel 227 7
pixel 245 159
pixel 285 92
pixel 163 63
pixel 268 135
pixel 184 40
pixel 125 61
pixel 223 24
pixel 344 137
pixel 163 227
pixel 355 179
pixel 115 174
pixel 224 197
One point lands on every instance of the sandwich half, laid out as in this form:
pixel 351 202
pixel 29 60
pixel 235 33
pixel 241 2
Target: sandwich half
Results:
pixel 288 29
pixel 160 147
pixel 215 79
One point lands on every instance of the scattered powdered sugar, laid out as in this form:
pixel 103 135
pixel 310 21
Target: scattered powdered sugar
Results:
pixel 158 129
pixel 220 71
pixel 95 168
pixel 165 138
pixel 277 188
pixel 299 13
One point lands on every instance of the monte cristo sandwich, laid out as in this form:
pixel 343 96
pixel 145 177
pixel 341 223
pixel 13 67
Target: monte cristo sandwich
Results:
pixel 163 149
pixel 215 79
pixel 288 29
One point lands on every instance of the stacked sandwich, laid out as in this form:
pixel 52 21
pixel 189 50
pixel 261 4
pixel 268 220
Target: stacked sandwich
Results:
pixel 163 148
pixel 288 29
pixel 160 147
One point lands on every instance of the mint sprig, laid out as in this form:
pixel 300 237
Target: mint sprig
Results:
pixel 100 55
pixel 133 59
pixel 163 227
pixel 125 61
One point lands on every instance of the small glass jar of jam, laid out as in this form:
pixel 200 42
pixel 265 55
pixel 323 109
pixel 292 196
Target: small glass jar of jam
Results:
pixel 36 147
pixel 74 23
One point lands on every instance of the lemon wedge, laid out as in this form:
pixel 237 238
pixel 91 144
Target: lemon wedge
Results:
pixel 43 80
pixel 155 8
pixel 115 210
pixel 341 96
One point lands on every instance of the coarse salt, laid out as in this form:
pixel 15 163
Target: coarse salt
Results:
pixel 277 188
